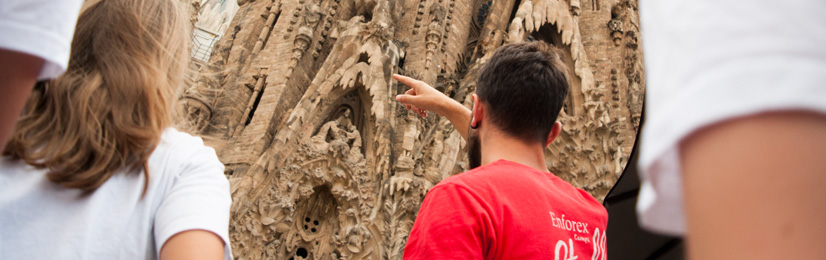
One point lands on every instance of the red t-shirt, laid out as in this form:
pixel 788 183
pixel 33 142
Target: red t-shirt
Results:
pixel 505 210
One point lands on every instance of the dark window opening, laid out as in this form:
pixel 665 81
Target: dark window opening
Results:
pixel 301 252
pixel 515 8
pixel 254 106
pixel 363 57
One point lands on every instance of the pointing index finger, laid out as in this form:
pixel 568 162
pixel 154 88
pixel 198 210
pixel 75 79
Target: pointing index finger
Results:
pixel 410 82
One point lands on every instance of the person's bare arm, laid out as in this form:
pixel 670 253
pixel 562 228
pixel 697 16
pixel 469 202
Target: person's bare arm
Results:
pixel 193 244
pixel 18 73
pixel 422 97
pixel 754 188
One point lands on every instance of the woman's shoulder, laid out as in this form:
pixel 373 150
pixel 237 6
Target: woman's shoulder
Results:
pixel 175 137
pixel 181 142
pixel 178 151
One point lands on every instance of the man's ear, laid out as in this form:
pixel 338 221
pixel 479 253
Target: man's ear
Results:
pixel 554 133
pixel 478 112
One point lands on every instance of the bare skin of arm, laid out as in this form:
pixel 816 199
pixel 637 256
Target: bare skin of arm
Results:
pixel 754 188
pixel 422 97
pixel 18 73
pixel 193 244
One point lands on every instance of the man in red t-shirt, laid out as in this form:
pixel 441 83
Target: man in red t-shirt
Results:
pixel 508 206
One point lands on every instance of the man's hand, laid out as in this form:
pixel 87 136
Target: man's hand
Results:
pixel 421 97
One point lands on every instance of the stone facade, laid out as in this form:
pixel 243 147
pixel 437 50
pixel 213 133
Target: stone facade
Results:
pixel 297 98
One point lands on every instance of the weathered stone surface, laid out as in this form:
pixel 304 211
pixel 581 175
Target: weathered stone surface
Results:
pixel 297 98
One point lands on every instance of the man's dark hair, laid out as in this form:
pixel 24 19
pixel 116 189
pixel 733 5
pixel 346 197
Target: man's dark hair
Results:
pixel 524 87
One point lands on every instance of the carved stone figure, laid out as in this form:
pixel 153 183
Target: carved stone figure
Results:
pixel 297 99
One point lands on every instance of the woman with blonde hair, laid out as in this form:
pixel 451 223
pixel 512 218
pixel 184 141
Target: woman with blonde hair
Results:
pixel 94 169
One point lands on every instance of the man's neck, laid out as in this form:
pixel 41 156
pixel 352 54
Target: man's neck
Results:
pixel 503 147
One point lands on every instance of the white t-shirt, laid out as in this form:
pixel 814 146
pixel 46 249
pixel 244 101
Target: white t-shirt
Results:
pixel 187 190
pixel 708 61
pixel 42 28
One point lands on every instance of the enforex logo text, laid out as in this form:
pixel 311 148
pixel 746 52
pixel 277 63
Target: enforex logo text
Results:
pixel 564 250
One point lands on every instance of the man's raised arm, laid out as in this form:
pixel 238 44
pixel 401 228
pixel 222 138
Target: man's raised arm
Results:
pixel 421 97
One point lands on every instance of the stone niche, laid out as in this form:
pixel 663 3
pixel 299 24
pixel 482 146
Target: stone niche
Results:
pixel 323 163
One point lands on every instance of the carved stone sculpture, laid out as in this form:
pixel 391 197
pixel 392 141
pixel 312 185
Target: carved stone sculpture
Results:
pixel 297 99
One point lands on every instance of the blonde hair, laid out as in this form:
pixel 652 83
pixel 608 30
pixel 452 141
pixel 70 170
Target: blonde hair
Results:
pixel 118 95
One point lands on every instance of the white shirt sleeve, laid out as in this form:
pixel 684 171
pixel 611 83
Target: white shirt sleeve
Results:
pixel 42 28
pixel 198 198
pixel 709 61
